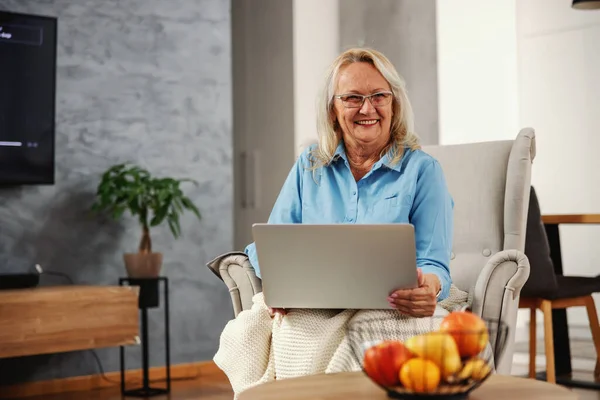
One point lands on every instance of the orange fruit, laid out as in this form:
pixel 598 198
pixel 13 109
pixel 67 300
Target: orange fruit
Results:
pixel 420 375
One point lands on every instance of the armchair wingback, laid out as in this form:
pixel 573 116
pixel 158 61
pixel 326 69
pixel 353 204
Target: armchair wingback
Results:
pixel 490 185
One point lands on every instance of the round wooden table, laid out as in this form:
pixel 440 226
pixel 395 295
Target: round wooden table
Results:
pixel 355 385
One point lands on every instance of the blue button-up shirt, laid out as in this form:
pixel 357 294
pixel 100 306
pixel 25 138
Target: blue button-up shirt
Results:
pixel 411 191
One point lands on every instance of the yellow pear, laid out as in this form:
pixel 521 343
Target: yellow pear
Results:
pixel 438 347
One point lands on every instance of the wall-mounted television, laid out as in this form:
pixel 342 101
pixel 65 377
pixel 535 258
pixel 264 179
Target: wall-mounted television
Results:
pixel 27 98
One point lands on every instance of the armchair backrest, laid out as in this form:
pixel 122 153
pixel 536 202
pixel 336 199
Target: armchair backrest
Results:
pixel 490 183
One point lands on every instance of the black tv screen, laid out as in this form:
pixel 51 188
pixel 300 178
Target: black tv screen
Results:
pixel 27 98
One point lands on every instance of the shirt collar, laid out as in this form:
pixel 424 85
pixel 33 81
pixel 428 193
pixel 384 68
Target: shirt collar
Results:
pixel 340 152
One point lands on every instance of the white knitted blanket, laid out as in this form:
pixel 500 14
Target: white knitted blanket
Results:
pixel 255 348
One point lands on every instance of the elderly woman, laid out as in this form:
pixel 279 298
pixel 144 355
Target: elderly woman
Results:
pixel 368 168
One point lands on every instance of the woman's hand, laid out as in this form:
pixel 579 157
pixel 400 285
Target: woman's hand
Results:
pixel 273 311
pixel 418 302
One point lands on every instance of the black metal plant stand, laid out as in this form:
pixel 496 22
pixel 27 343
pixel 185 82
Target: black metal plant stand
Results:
pixel 148 298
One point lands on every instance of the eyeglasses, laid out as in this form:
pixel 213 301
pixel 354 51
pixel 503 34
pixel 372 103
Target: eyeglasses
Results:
pixel 354 100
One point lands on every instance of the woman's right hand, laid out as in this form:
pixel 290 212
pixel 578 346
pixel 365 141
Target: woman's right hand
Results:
pixel 273 311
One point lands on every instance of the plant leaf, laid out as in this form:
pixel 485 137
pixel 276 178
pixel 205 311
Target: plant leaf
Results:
pixel 187 203
pixel 129 187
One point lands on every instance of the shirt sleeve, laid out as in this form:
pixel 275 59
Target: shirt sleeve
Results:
pixel 433 219
pixel 287 208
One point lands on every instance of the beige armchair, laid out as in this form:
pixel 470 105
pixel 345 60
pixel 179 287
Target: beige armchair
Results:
pixel 490 184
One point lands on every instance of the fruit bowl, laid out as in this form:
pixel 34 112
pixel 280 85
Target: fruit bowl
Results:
pixel 443 357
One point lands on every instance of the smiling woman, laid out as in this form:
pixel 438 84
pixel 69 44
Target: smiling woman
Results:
pixel 364 74
pixel 368 168
pixel 365 125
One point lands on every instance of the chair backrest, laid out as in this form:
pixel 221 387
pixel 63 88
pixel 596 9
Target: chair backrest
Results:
pixel 489 182
pixel 542 278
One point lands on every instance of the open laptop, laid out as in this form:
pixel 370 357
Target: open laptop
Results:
pixel 334 266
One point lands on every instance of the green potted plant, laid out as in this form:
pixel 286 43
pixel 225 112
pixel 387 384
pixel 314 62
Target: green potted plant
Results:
pixel 128 187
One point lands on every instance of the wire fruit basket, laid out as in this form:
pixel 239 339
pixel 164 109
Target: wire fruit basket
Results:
pixel 444 359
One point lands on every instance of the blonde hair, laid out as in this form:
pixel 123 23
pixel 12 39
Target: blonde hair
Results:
pixel 402 133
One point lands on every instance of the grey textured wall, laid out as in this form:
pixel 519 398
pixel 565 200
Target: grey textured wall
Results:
pixel 405 31
pixel 147 81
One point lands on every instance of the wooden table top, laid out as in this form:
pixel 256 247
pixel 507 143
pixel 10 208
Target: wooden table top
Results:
pixel 571 219
pixel 355 385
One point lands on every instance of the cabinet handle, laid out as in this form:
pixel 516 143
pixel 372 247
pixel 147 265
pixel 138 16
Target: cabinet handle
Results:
pixel 243 178
pixel 253 182
pixel 249 167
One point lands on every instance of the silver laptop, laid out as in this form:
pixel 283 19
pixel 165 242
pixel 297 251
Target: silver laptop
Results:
pixel 337 266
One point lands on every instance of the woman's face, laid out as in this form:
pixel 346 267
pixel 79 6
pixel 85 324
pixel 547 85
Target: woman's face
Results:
pixel 364 125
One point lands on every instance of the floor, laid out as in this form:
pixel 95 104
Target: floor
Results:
pixel 583 356
pixel 216 386
pixel 522 370
pixel 580 348
pixel 213 387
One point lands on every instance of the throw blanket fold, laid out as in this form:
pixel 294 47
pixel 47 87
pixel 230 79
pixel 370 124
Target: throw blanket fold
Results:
pixel 255 348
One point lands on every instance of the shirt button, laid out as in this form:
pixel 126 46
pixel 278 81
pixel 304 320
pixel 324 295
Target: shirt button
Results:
pixel 351 219
pixel 354 193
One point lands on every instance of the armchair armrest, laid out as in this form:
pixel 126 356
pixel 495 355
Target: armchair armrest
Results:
pixel 235 270
pixel 496 297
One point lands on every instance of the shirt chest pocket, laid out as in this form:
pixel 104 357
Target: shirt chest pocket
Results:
pixel 394 208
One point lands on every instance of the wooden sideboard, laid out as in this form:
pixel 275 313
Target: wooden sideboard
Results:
pixel 56 319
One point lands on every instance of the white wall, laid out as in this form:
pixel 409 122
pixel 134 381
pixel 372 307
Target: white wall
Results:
pixel 316 44
pixel 477 70
pixel 559 92
pixel 477 73
pixel 504 65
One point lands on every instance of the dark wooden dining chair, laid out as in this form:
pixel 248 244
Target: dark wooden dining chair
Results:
pixel 545 290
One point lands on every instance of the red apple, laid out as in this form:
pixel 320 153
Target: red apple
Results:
pixel 383 362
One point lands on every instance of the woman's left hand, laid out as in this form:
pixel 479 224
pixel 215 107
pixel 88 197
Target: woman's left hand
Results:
pixel 418 302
